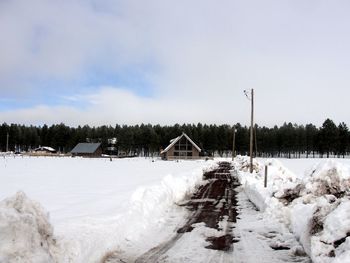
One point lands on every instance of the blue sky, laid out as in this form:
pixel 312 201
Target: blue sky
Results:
pixel 127 62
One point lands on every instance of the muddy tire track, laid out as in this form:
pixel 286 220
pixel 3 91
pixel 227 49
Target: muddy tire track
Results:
pixel 211 204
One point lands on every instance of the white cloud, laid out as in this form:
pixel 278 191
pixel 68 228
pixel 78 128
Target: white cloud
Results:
pixel 112 105
pixel 202 55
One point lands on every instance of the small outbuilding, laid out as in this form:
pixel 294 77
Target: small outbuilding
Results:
pixel 44 150
pixel 182 147
pixel 87 150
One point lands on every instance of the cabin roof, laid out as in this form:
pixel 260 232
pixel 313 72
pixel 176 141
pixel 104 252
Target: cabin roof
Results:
pixel 85 147
pixel 175 140
pixel 45 148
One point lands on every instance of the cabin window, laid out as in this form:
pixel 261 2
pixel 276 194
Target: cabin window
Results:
pixel 183 148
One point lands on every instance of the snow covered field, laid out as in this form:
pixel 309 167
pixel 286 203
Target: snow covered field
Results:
pixel 94 205
pixel 78 210
pixel 311 199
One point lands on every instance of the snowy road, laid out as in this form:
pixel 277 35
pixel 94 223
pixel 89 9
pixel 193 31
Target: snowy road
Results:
pixel 212 204
pixel 222 226
pixel 261 238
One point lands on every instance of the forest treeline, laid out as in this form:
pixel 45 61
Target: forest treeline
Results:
pixel 289 140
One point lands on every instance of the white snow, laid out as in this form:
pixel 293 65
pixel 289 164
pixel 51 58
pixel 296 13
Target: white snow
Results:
pixel 43 148
pixel 259 233
pixel 191 247
pixel 94 205
pixel 59 209
pixel 25 232
pixel 314 205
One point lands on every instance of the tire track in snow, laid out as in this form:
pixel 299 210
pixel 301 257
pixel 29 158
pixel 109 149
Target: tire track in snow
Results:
pixel 155 253
pixel 214 205
pixel 210 204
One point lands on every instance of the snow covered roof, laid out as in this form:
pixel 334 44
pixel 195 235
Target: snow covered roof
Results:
pixel 45 148
pixel 85 147
pixel 175 140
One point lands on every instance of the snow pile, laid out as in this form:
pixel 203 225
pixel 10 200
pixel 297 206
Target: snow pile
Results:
pixel 132 231
pixel 279 180
pixel 149 205
pixel 25 232
pixel 329 177
pixel 320 213
pixel 315 207
pixel 336 230
pixel 95 206
pixel 242 163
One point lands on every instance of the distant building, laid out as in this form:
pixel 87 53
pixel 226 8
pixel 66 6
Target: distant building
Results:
pixel 44 149
pixel 181 147
pixel 87 150
pixel 112 148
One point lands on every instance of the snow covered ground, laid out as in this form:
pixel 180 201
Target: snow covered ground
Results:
pixel 262 238
pixel 76 210
pixel 82 210
pixel 313 202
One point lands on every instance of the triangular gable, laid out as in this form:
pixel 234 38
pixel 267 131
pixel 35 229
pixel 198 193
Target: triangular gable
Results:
pixel 195 145
pixel 173 141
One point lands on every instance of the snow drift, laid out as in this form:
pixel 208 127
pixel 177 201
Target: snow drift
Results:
pixel 96 206
pixel 25 232
pixel 315 207
pixel 328 177
pixel 131 232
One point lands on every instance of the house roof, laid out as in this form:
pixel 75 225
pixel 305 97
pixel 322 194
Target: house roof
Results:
pixel 45 148
pixel 175 140
pixel 85 147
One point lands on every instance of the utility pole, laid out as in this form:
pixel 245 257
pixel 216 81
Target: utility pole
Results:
pixel 251 130
pixel 7 142
pixel 256 141
pixel 233 142
pixel 251 98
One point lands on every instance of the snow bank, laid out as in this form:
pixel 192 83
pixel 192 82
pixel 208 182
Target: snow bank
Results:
pixel 279 178
pixel 25 232
pixel 254 191
pixel 315 207
pixel 95 206
pixel 132 232
pixel 328 177
pixel 149 205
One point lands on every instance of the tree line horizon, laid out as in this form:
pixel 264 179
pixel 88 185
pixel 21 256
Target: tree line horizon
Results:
pixel 288 140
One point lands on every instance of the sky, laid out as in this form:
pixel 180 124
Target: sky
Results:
pixel 103 62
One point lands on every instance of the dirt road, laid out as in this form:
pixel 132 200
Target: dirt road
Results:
pixel 213 203
pixel 222 226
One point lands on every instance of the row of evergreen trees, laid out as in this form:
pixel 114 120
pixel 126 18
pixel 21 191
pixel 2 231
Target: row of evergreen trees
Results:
pixel 288 140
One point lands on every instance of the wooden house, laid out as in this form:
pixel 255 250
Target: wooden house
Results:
pixel 181 147
pixel 87 149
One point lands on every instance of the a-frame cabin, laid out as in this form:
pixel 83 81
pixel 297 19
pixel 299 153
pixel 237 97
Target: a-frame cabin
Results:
pixel 182 147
